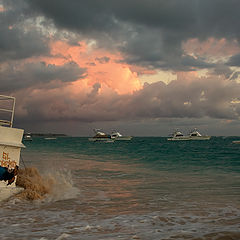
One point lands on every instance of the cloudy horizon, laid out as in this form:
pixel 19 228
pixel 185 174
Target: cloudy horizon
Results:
pixel 144 67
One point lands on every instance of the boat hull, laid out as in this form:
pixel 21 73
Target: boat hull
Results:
pixel 123 138
pixel 188 138
pixel 10 147
pixel 8 192
pixel 99 139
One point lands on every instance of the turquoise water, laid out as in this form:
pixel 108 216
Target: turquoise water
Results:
pixel 147 188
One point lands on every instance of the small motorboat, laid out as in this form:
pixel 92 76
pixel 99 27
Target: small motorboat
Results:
pixel 27 137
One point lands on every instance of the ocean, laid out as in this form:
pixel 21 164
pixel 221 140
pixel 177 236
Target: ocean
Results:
pixel 148 188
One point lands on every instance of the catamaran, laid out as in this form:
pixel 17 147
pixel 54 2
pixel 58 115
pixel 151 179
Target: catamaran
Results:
pixel 10 147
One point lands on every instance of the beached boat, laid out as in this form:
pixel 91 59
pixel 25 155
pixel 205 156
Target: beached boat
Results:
pixel 118 136
pixel 193 135
pixel 10 147
pixel 100 136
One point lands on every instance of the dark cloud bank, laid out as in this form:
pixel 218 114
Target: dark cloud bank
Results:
pixel 150 33
pixel 152 30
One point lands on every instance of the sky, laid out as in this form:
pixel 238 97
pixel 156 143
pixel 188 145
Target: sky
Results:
pixel 143 67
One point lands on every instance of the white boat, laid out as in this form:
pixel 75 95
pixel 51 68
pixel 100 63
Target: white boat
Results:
pixel 193 135
pixel 177 135
pixel 100 136
pixel 10 147
pixel 27 137
pixel 118 136
pixel 236 141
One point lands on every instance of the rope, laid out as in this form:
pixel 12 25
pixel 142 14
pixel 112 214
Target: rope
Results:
pixel 22 161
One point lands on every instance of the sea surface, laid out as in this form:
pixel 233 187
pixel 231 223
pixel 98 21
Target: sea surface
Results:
pixel 148 188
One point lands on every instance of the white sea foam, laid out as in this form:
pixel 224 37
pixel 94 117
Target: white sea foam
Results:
pixel 63 187
pixel 52 185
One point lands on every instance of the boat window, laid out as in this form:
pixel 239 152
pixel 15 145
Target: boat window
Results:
pixel 179 135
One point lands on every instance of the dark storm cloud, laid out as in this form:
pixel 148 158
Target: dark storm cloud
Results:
pixel 13 77
pixel 147 32
pixel 179 99
pixel 17 41
pixel 192 18
pixel 192 100
pixel 234 60
pixel 16 45
pixel 150 32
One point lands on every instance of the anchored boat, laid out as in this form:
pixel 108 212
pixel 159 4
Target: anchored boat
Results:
pixel 27 137
pixel 193 135
pixel 100 136
pixel 118 136
pixel 10 147
pixel 177 135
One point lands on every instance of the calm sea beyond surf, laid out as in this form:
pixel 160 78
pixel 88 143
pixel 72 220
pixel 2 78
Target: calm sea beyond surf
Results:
pixel 148 188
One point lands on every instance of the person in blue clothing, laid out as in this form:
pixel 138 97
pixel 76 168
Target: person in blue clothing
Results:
pixel 8 175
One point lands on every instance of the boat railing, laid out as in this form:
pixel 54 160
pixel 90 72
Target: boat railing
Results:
pixel 7 108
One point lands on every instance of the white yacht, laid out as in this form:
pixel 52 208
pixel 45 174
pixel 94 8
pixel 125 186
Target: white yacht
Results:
pixel 177 135
pixel 100 136
pixel 10 147
pixel 193 135
pixel 118 136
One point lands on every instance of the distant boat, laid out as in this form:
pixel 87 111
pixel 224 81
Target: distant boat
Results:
pixel 177 135
pixel 236 141
pixel 118 136
pixel 193 135
pixel 50 138
pixel 100 136
pixel 27 137
pixel 10 147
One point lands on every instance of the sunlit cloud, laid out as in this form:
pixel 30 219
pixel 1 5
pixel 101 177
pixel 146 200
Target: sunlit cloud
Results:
pixel 101 66
pixel 86 62
pixel 2 9
pixel 212 49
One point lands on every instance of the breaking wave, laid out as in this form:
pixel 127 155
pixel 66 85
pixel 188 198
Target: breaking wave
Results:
pixel 51 186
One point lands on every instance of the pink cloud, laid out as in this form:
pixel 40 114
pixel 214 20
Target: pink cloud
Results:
pixel 211 47
pixel 112 73
pixel 2 9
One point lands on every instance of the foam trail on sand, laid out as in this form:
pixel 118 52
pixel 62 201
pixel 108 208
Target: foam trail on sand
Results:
pixel 51 187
